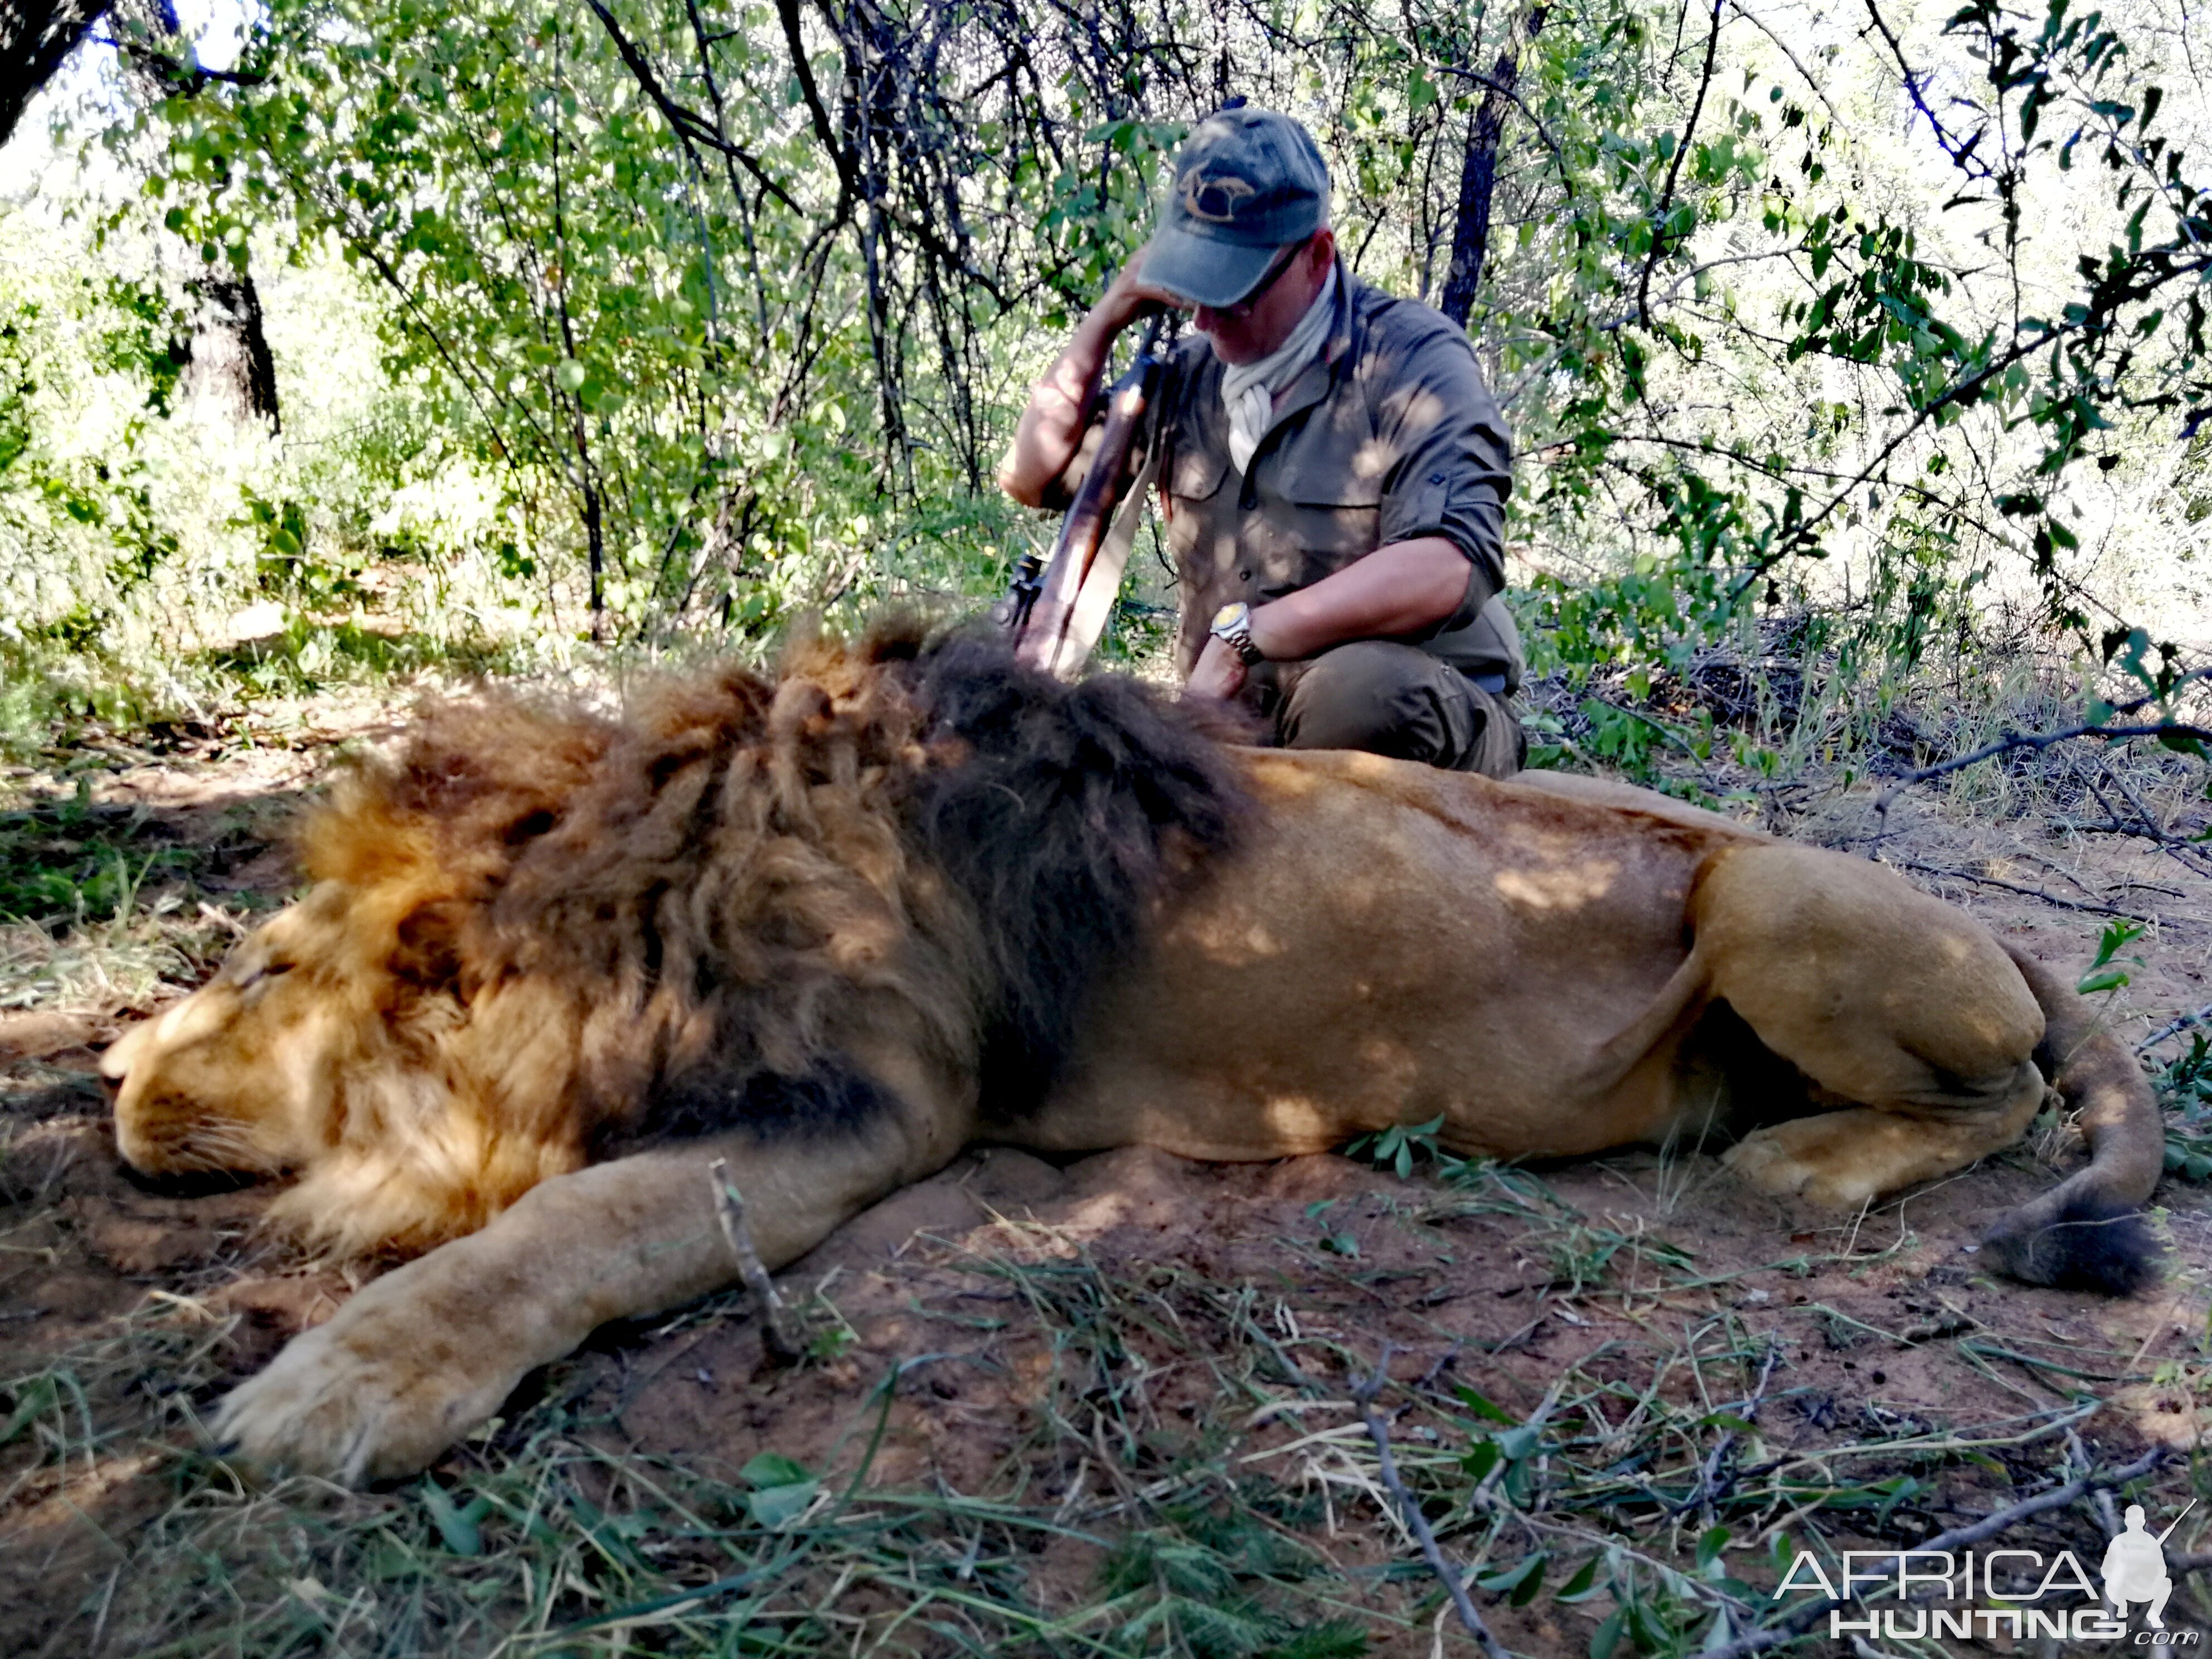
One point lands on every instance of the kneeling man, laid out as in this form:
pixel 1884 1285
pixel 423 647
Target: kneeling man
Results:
pixel 1332 470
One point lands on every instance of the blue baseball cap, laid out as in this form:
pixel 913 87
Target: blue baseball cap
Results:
pixel 1248 183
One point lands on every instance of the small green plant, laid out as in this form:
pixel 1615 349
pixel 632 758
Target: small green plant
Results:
pixel 1401 1145
pixel 2109 972
pixel 1210 1585
pixel 67 860
pixel 2184 1089
pixel 1336 1240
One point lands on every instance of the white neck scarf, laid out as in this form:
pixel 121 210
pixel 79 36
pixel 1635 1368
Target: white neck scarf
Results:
pixel 1249 389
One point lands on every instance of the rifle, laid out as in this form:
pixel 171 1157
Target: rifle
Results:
pixel 1042 599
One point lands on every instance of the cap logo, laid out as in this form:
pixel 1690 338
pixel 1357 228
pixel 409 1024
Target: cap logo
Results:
pixel 1214 198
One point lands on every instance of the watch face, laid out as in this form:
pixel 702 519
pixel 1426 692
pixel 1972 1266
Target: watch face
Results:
pixel 1230 615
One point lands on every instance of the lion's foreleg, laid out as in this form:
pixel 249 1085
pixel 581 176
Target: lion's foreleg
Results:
pixel 423 1354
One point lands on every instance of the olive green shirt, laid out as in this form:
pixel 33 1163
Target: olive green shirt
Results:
pixel 1389 435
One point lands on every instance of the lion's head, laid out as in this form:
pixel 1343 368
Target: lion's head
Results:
pixel 534 932
pixel 334 1039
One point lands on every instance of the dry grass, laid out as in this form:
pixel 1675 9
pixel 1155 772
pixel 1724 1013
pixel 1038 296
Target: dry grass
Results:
pixel 1176 1464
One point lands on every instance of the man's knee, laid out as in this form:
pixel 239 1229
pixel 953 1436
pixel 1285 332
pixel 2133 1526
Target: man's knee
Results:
pixel 1391 699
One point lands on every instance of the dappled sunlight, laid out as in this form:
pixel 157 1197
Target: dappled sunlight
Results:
pixel 1231 941
pixel 1559 887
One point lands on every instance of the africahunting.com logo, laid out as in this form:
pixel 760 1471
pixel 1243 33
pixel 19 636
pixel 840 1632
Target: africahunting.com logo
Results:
pixel 1981 1595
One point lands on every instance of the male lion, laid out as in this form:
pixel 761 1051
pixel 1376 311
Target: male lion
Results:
pixel 834 926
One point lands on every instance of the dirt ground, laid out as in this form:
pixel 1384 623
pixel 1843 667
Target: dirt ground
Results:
pixel 1632 1263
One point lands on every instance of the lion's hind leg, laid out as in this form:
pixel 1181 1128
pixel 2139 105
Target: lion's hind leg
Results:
pixel 1883 998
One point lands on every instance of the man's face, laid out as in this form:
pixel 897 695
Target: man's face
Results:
pixel 1257 327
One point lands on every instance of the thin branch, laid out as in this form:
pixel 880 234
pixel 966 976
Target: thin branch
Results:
pixel 2175 1027
pixel 1449 1575
pixel 1708 1478
pixel 2038 742
pixel 1783 46
pixel 690 128
pixel 730 1210
pixel 1674 172
pixel 847 187
pixel 2024 890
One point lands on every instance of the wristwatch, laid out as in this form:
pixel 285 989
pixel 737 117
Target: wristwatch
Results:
pixel 1233 626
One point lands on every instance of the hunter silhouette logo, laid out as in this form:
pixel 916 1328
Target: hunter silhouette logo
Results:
pixel 2135 1567
pixel 1213 197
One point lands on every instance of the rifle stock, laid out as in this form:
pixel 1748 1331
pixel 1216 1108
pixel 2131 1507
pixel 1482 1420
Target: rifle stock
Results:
pixel 1042 598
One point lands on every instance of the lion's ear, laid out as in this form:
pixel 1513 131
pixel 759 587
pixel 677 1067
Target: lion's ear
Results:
pixel 356 840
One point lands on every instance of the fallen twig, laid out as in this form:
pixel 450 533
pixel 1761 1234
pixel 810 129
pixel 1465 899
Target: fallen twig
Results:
pixel 2017 887
pixel 1802 1619
pixel 2078 1459
pixel 777 1339
pixel 2175 1027
pixel 1416 1522
pixel 1701 1496
pixel 2039 741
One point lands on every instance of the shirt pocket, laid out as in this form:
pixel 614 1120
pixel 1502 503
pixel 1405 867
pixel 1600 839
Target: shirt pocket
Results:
pixel 1329 503
pixel 1196 475
pixel 1330 525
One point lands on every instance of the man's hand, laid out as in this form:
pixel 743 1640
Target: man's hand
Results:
pixel 1126 298
pixel 1051 426
pixel 1218 674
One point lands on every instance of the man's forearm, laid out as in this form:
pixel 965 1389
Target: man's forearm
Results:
pixel 1051 429
pixel 1052 425
pixel 1395 592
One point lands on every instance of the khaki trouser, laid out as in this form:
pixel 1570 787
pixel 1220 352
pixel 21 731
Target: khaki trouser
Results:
pixel 1392 699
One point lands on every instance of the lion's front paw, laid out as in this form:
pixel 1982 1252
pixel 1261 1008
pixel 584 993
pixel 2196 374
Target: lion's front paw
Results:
pixel 368 1396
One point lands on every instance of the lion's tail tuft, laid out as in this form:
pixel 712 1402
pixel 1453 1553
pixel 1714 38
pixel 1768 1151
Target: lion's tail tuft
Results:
pixel 2090 1244
pixel 2086 1233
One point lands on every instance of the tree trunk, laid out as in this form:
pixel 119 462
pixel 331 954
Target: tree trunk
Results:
pixel 1478 171
pixel 36 37
pixel 227 363
pixel 230 364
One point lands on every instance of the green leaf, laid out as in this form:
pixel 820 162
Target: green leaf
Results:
pixel 569 376
pixel 774 1507
pixel 37 1398
pixel 1521 1583
pixel 1582 1586
pixel 1515 1445
pixel 774 1469
pixel 785 1489
pixel 457 1526
pixel 1483 1406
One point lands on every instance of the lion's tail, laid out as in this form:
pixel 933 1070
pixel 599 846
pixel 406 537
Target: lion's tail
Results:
pixel 2086 1232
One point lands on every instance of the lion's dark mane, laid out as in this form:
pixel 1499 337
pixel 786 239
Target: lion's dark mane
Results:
pixel 1072 809
pixel 701 893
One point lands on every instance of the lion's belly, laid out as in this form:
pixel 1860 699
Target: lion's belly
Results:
pixel 1395 944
